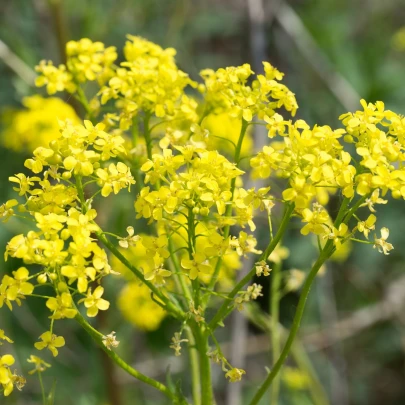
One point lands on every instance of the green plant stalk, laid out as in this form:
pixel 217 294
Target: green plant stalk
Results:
pixel 146 134
pixel 41 383
pixel 275 330
pixel 295 326
pixel 225 308
pixel 195 367
pixel 324 255
pixel 192 350
pixel 228 211
pixel 98 338
pixel 207 395
pixel 170 306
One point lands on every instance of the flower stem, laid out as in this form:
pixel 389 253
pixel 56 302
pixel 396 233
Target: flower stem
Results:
pixel 324 255
pixel 195 367
pixel 41 383
pixel 97 337
pixel 275 330
pixel 207 396
pixel 170 306
pixel 146 133
pixel 295 326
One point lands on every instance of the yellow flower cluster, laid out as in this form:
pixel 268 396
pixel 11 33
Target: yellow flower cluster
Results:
pixel 64 241
pixel 8 379
pixel 86 61
pixel 228 90
pixel 200 213
pixel 149 80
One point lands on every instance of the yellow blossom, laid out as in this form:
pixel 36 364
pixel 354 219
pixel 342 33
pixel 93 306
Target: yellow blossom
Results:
pixel 50 341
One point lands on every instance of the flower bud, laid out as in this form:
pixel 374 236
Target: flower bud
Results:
pixel 66 175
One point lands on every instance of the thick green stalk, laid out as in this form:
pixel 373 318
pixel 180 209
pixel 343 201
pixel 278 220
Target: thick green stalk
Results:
pixel 195 367
pixel 275 330
pixel 98 338
pixel 228 211
pixel 207 395
pixel 225 308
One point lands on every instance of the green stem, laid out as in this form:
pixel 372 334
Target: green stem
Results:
pixel 42 388
pixel 146 133
pixel 225 309
pixel 324 255
pixel 184 287
pixel 228 211
pixel 169 305
pixel 295 326
pixel 275 330
pixel 98 338
pixel 83 100
pixel 195 367
pixel 207 396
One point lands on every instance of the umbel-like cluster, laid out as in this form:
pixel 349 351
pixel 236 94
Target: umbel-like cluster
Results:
pixel 146 127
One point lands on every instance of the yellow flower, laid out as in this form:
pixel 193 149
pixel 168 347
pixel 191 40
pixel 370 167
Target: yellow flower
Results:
pixel 115 178
pixel 93 302
pixel 317 221
pixel 235 374
pixel 196 265
pixel 40 365
pixel 6 377
pixel 51 342
pixel 4 337
pixel 54 78
pixel 337 234
pixel 62 306
pixel 374 199
pixel 6 210
pixel 368 225
pixel 157 274
pixel 245 244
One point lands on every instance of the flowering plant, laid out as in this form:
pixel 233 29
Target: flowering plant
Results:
pixel 149 126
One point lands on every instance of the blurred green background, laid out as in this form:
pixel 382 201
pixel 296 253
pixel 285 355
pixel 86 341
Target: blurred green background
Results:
pixel 333 52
